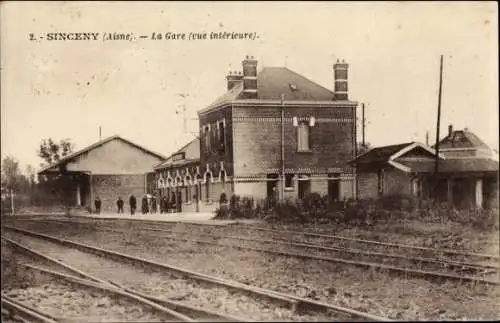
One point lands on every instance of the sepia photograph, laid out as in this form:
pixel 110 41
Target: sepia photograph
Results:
pixel 188 161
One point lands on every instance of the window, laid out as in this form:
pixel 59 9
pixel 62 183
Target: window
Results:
pixel 303 137
pixel 221 138
pixel 206 132
pixel 289 181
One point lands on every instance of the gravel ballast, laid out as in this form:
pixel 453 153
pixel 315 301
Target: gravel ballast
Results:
pixel 378 293
pixel 164 285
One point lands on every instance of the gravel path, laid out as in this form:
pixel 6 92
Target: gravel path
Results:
pixel 164 285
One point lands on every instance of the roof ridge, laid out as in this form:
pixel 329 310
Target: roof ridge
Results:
pixel 98 144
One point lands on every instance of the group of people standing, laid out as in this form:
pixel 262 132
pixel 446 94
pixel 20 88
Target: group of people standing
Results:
pixel 149 204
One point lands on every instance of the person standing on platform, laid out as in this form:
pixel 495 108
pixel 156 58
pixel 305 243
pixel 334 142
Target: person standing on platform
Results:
pixel 98 204
pixel 119 204
pixel 133 204
pixel 144 206
pixel 154 206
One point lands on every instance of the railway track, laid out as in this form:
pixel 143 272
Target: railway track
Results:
pixel 183 311
pixel 399 263
pixel 14 311
pixel 291 307
pixel 46 295
pixel 311 238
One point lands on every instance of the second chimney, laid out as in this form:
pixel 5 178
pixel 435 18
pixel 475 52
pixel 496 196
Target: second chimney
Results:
pixel 340 78
pixel 450 131
pixel 233 78
pixel 249 78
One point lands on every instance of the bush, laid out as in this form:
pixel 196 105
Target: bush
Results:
pixel 240 208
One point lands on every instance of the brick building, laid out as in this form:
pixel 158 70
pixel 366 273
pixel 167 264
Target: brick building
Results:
pixel 276 121
pixel 467 172
pixel 110 168
pixel 179 178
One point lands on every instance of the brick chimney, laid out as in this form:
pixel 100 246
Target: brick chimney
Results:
pixel 249 78
pixel 450 131
pixel 233 78
pixel 340 77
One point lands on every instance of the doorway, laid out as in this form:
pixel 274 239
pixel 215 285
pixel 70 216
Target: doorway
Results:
pixel 272 189
pixel 333 190
pixel 304 187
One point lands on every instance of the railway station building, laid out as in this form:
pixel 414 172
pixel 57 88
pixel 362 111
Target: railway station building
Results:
pixel 273 121
pixel 107 169
pixel 467 174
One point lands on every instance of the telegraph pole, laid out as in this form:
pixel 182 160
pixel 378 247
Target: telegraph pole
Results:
pixel 363 124
pixel 436 166
pixel 99 133
pixel 282 147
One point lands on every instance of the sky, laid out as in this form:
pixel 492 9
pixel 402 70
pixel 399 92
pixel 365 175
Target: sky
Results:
pixel 68 89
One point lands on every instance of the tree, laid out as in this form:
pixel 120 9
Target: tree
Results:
pixel 31 173
pixel 10 173
pixel 52 152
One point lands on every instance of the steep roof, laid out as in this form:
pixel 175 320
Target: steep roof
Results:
pixel 274 81
pixel 462 139
pixel 192 154
pixel 380 154
pixel 96 145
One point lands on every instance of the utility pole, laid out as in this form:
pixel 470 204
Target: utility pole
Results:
pixel 184 96
pixel 282 147
pixel 99 133
pixel 436 166
pixel 363 124
pixel 427 138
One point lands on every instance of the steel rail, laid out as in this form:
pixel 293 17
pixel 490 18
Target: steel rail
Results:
pixel 26 312
pixel 176 306
pixel 91 220
pixel 294 301
pixel 442 263
pixel 298 243
pixel 387 244
pixel 107 288
pixel 406 271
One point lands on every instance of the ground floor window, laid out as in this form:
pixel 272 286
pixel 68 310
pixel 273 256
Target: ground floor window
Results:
pixel 289 181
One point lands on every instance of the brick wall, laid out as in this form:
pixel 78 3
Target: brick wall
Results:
pixel 110 187
pixel 347 189
pixel 257 139
pixel 210 154
pixel 396 182
pixel 319 186
pixel 257 190
pixel 367 185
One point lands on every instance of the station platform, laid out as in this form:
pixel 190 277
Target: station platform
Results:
pixel 187 217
